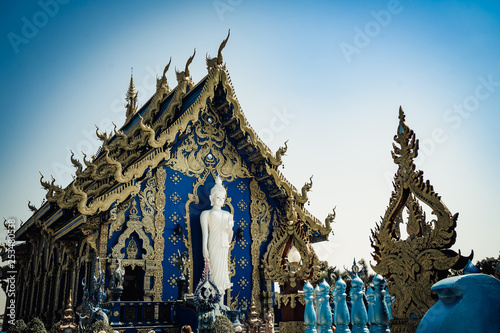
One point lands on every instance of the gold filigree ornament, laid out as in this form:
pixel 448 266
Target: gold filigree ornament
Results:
pixel 133 225
pixel 292 299
pixel 207 146
pixel 147 203
pixel 259 229
pixel 292 327
pixel 291 233
pixel 117 217
pixel 159 241
pixel 132 249
pixel 413 265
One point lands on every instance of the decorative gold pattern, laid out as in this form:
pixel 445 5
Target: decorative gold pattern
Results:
pixel 232 272
pixel 132 249
pixel 243 302
pixel 242 223
pixel 413 265
pixel 175 198
pixel 241 187
pixel 101 189
pixel 172 281
pixel 233 303
pixel 292 327
pixel 175 178
pixel 133 225
pixel 291 233
pixel 147 203
pixel 201 149
pixel 242 205
pixel 242 282
pixel 243 263
pixel 259 230
pixel 174 239
pixel 284 299
pixel 299 209
pixel 242 243
pixel 159 242
pixel 103 240
pixel 174 218
pixel 91 236
pixel 117 217
pixel 172 259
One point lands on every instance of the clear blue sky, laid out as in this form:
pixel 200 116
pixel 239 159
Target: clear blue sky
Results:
pixel 329 75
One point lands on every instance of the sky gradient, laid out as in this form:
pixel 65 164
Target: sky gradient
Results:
pixel 328 76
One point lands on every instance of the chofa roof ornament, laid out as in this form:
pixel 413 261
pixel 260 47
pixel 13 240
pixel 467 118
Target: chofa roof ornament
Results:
pixel 414 264
pixel 212 62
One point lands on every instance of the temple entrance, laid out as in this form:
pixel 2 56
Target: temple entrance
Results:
pixel 133 284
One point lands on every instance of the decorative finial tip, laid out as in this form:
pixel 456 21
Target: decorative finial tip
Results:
pixel 166 68
pixel 401 114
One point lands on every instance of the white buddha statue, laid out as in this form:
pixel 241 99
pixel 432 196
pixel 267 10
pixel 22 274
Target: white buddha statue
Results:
pixel 217 232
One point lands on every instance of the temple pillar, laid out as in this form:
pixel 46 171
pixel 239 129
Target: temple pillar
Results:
pixel 292 304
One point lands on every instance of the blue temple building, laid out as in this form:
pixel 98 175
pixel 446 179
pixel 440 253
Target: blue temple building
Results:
pixel 138 201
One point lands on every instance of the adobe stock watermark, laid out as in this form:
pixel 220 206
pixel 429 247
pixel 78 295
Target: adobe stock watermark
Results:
pixel 223 6
pixel 10 309
pixel 454 117
pixel 363 37
pixel 471 103
pixel 278 122
pixel 32 25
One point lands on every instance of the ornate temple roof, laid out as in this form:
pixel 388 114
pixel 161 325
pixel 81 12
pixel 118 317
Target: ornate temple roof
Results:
pixel 149 137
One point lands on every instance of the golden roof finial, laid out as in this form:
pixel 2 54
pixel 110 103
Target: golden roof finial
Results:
pixel 217 61
pixel 166 69
pixel 131 98
pixel 131 88
pixel 190 60
pixel 221 47
pixel 32 207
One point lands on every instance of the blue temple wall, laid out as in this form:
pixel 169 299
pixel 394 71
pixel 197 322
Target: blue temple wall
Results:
pixel 177 188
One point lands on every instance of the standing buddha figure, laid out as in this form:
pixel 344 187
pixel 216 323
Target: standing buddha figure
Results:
pixel 217 232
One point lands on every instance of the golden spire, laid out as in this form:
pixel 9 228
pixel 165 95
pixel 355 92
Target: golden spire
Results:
pixel 131 99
